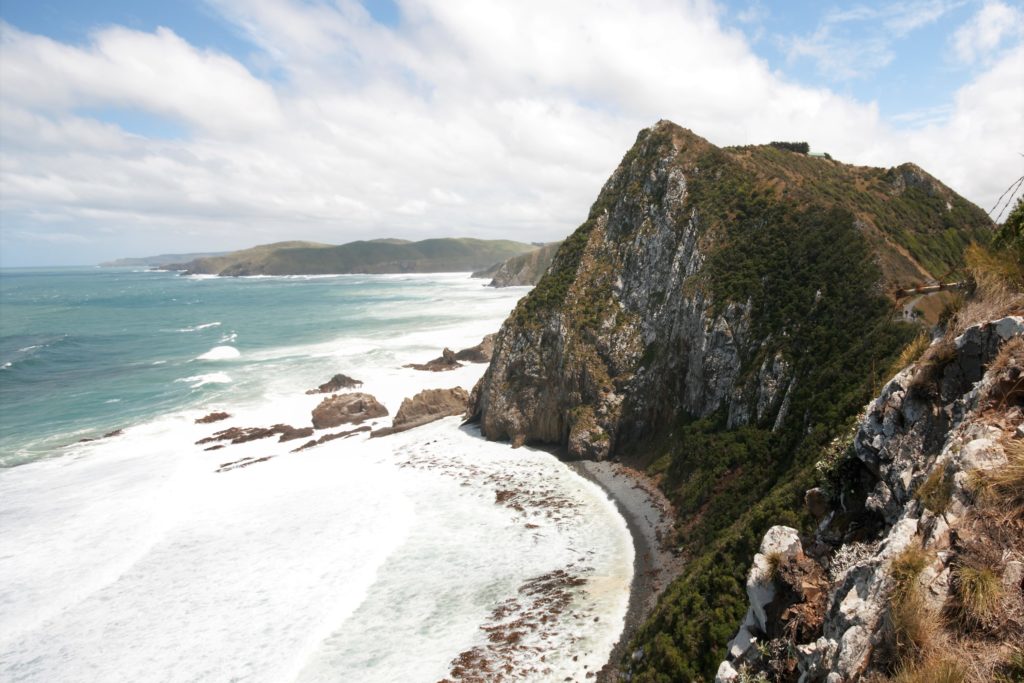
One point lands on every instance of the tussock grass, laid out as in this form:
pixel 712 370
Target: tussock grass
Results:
pixel 905 570
pixel 1001 489
pixel 1011 354
pixel 930 367
pixel 996 293
pixel 910 353
pixel 932 670
pixel 1011 670
pixel 774 564
pixel 912 629
pixel 979 595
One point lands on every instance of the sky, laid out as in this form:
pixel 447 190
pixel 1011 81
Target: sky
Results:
pixel 135 128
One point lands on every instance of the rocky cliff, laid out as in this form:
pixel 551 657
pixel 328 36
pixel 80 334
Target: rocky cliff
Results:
pixel 916 567
pixel 696 283
pixel 718 320
pixel 522 270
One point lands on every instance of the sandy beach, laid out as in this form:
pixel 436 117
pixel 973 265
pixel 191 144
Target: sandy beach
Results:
pixel 649 517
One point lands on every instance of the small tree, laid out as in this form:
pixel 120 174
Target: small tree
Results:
pixel 798 147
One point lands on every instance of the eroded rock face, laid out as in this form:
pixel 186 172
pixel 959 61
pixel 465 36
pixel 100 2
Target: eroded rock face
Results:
pixel 346 409
pixel 425 407
pixel 660 348
pixel 908 435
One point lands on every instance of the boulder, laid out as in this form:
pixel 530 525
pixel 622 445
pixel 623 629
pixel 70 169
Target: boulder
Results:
pixel 481 353
pixel 347 408
pixel 336 383
pixel 425 407
pixel 446 361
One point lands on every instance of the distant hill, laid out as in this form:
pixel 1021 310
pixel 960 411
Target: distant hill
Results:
pixel 523 269
pixel 159 259
pixel 374 256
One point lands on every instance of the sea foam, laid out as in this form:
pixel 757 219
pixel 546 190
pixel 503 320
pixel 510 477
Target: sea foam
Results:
pixel 220 353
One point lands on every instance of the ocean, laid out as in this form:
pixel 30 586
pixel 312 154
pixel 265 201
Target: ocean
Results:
pixel 420 556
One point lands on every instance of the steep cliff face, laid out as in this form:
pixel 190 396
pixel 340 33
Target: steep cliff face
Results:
pixel 702 283
pixel 525 269
pixel 917 565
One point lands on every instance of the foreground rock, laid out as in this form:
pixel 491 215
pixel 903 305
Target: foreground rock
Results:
pixel 446 361
pixel 347 409
pixel 336 383
pixel 425 407
pixel 906 524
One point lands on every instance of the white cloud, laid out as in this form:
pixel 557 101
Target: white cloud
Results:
pixel 988 30
pixel 157 72
pixel 855 42
pixel 471 117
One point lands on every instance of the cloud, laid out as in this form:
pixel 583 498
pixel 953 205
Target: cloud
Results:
pixel 469 117
pixel 157 72
pixel 987 31
pixel 855 42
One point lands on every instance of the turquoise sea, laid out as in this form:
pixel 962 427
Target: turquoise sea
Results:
pixel 144 556
pixel 85 351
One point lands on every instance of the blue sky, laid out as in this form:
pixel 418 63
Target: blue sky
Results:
pixel 191 125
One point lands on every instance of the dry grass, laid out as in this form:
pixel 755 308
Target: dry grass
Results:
pixel 905 570
pixel 995 294
pixel 1011 354
pixel 1001 489
pixel 1012 669
pixel 774 564
pixel 979 595
pixel 936 491
pixel 912 629
pixel 931 366
pixel 932 670
pixel 911 353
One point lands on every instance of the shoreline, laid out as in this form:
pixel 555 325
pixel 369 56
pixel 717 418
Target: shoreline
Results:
pixel 649 518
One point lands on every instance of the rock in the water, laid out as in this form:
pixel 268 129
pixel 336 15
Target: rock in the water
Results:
pixel 336 383
pixel 447 361
pixel 481 353
pixel 427 406
pixel 347 408
pixel 212 417
pixel 238 435
pixel 331 437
